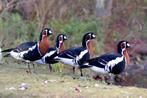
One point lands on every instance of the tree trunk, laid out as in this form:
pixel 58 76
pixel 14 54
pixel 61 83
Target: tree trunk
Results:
pixel 103 8
pixel 1 6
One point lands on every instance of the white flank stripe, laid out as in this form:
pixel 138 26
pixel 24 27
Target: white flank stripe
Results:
pixel 111 64
pixel 71 56
pixel 82 54
pixel 71 61
pixel 24 52
pixel 98 70
pixel 86 64
pixel 102 63
pixel 19 55
pixel 114 62
pixel 49 54
pixel 68 61
pixel 15 55
pixel 42 60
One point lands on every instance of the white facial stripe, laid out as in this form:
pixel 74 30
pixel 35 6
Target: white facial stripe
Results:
pixel 45 30
pixel 60 41
pixel 43 35
pixel 61 36
pixel 123 51
pixel 87 43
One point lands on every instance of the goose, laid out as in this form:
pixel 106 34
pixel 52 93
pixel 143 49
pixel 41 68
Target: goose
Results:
pixel 31 51
pixel 111 63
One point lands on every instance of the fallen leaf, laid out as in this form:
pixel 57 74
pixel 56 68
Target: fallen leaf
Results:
pixel 77 89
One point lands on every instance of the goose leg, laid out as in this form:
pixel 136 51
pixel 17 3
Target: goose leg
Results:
pixel 50 67
pixel 111 79
pixel 34 70
pixel 73 70
pixel 29 69
pixel 81 73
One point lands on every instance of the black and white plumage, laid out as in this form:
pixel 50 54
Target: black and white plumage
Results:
pixel 20 48
pixel 49 57
pixel 77 55
pixel 111 63
pixel 32 51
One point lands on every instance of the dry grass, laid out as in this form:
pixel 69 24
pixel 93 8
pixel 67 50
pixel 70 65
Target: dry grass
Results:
pixel 58 85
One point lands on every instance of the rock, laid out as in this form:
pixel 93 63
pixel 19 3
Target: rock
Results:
pixel 1 6
pixel 51 81
pixel 46 81
pixel 11 88
pixel 96 85
pixel 140 97
pixel 23 86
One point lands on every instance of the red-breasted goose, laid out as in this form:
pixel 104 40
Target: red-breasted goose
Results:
pixel 32 51
pixel 111 63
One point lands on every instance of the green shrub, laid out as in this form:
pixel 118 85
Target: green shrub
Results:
pixel 75 29
pixel 16 30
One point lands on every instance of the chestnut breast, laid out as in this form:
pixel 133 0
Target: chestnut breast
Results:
pixel 44 45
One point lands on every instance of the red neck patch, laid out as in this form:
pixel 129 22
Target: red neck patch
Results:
pixel 61 47
pixel 90 47
pixel 127 57
pixel 44 45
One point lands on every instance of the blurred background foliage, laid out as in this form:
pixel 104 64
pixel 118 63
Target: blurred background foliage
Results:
pixel 111 20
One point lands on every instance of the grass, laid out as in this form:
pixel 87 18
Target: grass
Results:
pixel 58 85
